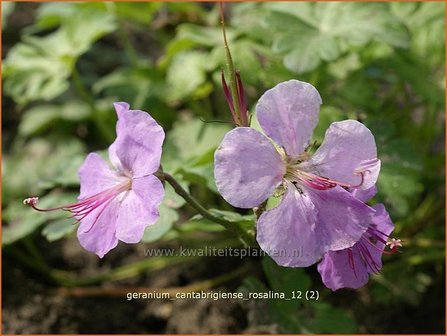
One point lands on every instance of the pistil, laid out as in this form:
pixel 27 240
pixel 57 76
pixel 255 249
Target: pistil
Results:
pixel 84 207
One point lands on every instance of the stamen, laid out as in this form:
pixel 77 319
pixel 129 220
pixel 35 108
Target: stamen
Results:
pixel 351 261
pixel 394 244
pixel 320 182
pixel 376 235
pixel 368 258
pixel 83 208
pixel 372 237
pixel 97 216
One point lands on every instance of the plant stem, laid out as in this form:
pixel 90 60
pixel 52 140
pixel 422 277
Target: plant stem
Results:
pixel 231 226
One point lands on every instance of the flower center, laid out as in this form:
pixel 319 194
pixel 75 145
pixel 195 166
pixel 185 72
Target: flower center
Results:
pixel 296 174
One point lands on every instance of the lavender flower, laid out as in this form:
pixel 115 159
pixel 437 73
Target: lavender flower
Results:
pixel 316 214
pixel 350 268
pixel 118 203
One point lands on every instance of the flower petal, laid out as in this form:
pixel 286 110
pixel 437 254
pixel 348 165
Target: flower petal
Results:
pixel 290 233
pixel 247 168
pixel 337 269
pixel 95 176
pixel 312 222
pixel 343 217
pixel 138 209
pixel 347 268
pixel 364 195
pixel 137 157
pixel 150 191
pixel 288 114
pixel 137 121
pixel 348 145
pixel 141 132
pixel 383 224
pixel 97 230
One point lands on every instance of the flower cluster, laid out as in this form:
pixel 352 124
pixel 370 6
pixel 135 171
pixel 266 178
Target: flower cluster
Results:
pixel 322 211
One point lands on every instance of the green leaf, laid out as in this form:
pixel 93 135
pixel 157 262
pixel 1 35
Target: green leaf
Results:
pixel 344 65
pixel 205 36
pixel 252 285
pixel 186 76
pixel 22 220
pixel 194 138
pixel 285 279
pixel 399 186
pixel 39 67
pixel 189 149
pixel 138 85
pixel 232 216
pixel 50 161
pixel 168 217
pixel 324 318
pixel 190 36
pixel 307 34
pixel 7 9
pixel 142 12
pixel 67 175
pixel 59 229
pixel 38 119
pixel 168 213
pixel 198 223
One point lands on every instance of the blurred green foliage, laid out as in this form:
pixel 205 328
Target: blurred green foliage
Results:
pixel 380 63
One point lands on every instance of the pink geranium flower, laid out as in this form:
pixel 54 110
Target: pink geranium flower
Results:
pixel 118 202
pixel 316 214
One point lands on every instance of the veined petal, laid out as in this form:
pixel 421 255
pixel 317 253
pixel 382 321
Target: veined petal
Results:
pixel 136 127
pixel 288 114
pixel 350 268
pixel 312 222
pixel 137 122
pixel 348 149
pixel 96 176
pixel 137 156
pixel 96 233
pixel 364 195
pixel 343 269
pixel 133 218
pixel 343 217
pixel 247 168
pixel 150 191
pixel 290 233
pixel 384 226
